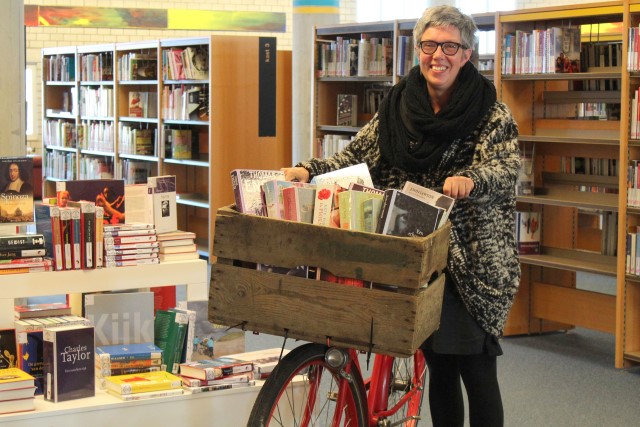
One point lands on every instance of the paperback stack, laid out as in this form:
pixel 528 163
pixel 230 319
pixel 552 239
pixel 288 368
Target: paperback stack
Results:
pixel 23 253
pixel 130 244
pixel 16 391
pixel 177 246
pixel 126 359
pixel 144 385
pixel 264 361
pixel 216 374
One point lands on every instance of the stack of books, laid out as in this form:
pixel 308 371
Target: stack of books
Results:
pixel 145 385
pixel 16 391
pixel 126 359
pixel 177 246
pixel 130 244
pixel 23 253
pixel 29 343
pixel 216 374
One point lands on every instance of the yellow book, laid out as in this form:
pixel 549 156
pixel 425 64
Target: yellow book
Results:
pixel 142 382
pixel 12 378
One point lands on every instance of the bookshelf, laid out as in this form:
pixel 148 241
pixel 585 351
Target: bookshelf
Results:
pixel 247 123
pixel 580 173
pixel 335 48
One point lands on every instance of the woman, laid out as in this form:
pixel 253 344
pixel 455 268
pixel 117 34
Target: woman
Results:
pixel 441 126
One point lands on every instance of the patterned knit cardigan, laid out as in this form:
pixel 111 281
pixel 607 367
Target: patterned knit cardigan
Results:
pixel 483 260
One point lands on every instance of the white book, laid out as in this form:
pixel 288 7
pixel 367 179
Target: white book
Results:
pixel 161 202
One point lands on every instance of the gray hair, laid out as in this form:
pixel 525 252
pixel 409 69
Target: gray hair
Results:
pixel 447 16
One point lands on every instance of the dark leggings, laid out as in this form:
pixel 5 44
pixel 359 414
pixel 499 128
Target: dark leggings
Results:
pixel 479 374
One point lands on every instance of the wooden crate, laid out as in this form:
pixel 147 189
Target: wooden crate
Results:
pixel 393 319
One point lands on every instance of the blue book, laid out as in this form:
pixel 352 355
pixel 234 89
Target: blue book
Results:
pixel 30 360
pixel 124 352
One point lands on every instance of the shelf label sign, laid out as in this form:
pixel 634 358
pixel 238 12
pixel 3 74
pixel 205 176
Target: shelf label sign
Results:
pixel 267 87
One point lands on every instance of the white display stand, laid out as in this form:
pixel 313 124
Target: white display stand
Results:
pixel 225 408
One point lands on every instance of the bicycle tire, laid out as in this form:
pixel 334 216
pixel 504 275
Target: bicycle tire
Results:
pixel 407 374
pixel 288 393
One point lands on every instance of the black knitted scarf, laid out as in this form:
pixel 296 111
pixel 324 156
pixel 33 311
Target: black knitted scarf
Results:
pixel 411 136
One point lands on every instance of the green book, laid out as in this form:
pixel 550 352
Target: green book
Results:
pixel 170 329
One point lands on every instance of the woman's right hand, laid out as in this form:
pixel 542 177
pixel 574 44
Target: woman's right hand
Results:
pixel 296 174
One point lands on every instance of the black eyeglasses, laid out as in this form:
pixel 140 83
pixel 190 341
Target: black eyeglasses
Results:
pixel 448 48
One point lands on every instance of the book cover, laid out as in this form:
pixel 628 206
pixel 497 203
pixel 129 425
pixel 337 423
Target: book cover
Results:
pixel 143 382
pixel 211 339
pixel 161 199
pixel 136 104
pixel 370 213
pixel 569 58
pixel 326 206
pixel 431 197
pixel 405 216
pixel 127 352
pixel 16 190
pixel 121 317
pixel 299 203
pixel 8 350
pixel 170 329
pixel 528 232
pixel 525 183
pixel 347 110
pixel 351 205
pixel 69 363
pixel 48 224
pixel 181 142
pixel 107 193
pixel 247 186
pixel 30 357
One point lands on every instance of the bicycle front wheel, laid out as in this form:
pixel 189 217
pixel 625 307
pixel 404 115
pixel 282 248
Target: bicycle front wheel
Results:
pixel 303 390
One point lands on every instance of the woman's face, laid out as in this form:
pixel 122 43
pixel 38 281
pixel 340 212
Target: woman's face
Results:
pixel 438 69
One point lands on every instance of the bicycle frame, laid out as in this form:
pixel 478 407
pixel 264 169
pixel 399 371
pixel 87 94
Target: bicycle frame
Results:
pixel 378 385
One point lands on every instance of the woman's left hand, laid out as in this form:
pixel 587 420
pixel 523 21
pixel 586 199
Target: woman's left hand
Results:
pixel 457 187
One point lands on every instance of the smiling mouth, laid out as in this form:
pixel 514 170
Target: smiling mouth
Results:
pixel 438 67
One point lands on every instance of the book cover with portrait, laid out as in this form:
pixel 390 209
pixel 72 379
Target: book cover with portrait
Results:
pixel 16 190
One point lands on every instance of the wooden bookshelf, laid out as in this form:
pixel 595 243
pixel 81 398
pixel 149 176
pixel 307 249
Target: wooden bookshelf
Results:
pixel 248 123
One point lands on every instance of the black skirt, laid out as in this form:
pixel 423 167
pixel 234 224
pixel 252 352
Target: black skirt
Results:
pixel 459 333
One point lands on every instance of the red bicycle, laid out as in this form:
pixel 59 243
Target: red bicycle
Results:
pixel 318 385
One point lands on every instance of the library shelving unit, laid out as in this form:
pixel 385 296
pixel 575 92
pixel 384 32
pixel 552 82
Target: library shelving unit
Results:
pixel 101 410
pixel 579 174
pixel 390 49
pixel 93 127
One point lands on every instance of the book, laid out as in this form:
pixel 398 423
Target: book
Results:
pixel 17 405
pixel 528 232
pixel 211 339
pixel 178 249
pixel 170 329
pixel 245 377
pixel 88 233
pixel 127 352
pixel 431 197
pixel 16 190
pixel 347 110
pixel 120 317
pixel 405 216
pixel 143 382
pixel 107 193
pixel 108 371
pixel 66 230
pixel 69 363
pixel 182 256
pixel 298 203
pixel 8 350
pixel 175 235
pixel 351 204
pixel 29 356
pixel 264 361
pixel 76 227
pixel 525 183
pixel 569 59
pixel 48 224
pixel 14 378
pixel 161 202
pixel 181 142
pixel 219 367
pixel 217 387
pixel 22 241
pixel 247 187
pixel 17 393
pixel 192 317
pixel 147 394
pixel 99 236
pixel 326 210
pixel 166 244
pixel 370 213
pixel 27 311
